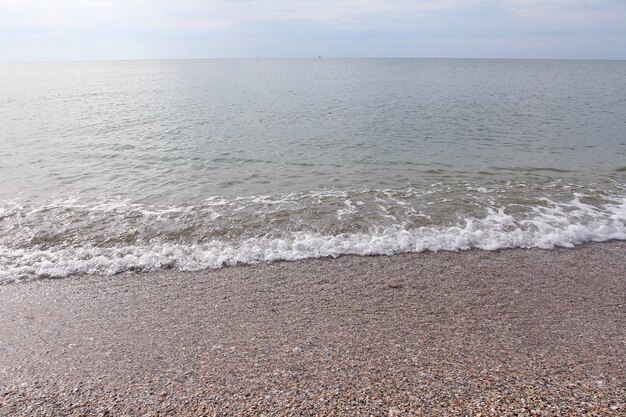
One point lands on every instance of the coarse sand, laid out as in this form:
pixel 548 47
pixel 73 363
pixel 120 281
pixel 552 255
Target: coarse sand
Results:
pixel 512 332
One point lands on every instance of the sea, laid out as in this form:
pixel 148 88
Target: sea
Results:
pixel 129 166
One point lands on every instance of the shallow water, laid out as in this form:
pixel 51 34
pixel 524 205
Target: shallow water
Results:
pixel 114 166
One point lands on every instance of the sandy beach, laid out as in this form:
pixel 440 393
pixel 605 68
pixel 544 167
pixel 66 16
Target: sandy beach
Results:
pixel 512 332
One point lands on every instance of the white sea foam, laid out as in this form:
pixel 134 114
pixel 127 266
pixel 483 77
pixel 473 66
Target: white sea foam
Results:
pixel 562 224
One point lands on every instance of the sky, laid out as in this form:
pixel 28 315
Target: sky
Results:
pixel 48 30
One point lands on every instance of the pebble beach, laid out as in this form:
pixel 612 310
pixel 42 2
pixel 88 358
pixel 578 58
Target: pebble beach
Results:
pixel 511 332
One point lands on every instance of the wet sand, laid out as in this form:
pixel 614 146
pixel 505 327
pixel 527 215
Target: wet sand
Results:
pixel 515 332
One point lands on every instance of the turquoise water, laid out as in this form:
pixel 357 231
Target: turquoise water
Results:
pixel 113 166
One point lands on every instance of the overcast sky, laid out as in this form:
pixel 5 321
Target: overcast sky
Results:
pixel 41 30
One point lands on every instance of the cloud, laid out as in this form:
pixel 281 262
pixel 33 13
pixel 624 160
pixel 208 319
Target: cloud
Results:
pixel 224 14
pixel 203 15
pixel 161 24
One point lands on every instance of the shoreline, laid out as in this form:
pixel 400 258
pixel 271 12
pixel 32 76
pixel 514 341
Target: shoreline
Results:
pixel 431 333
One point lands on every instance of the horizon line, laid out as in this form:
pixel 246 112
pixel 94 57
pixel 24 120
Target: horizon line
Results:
pixel 2 62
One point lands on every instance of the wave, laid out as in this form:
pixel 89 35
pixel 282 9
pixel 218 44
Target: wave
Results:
pixel 552 224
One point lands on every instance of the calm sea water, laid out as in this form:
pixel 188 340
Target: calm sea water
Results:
pixel 115 166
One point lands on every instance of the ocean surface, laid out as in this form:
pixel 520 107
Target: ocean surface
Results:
pixel 108 167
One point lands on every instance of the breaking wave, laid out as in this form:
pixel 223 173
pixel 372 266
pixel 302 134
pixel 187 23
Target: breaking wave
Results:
pixel 118 237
